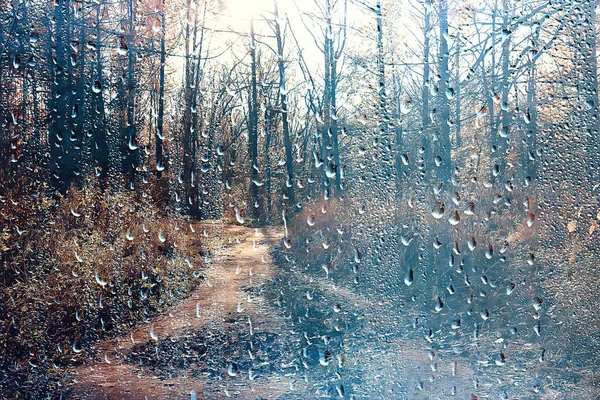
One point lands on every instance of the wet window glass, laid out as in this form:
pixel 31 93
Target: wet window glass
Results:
pixel 281 199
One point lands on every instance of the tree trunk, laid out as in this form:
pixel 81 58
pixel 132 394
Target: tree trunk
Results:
pixel 254 203
pixel 287 142
pixel 426 143
pixel 531 162
pixel 270 123
pixel 457 97
pixel 100 147
pixel 443 148
pixel 129 146
pixel 383 118
pixel 505 117
pixel 63 162
pixel 162 185
pixel 336 166
pixel 399 132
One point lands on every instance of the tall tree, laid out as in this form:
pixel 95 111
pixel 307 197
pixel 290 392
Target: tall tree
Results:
pixel 100 145
pixel 190 113
pixel 63 152
pixel 531 119
pixel 332 47
pixel 505 115
pixel 426 85
pixel 457 95
pixel 445 93
pixel 254 203
pixel 129 129
pixel 333 52
pixel 283 92
pixel 382 112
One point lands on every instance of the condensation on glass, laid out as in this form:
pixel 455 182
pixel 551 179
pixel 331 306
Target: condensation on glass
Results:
pixel 278 199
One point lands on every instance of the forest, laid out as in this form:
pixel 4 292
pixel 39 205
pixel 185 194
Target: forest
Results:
pixel 284 199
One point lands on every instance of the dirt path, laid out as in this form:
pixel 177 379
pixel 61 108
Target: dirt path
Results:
pixel 187 350
pixel 231 288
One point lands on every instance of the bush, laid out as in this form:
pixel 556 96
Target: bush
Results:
pixel 85 266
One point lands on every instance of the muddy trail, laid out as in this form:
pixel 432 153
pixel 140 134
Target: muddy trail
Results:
pixel 211 345
pixel 249 331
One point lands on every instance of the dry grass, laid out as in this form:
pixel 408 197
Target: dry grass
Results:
pixel 83 267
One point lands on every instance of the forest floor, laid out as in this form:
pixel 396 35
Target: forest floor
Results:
pixel 227 300
pixel 228 338
pixel 199 348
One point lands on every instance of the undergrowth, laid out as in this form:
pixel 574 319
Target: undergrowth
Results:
pixel 79 268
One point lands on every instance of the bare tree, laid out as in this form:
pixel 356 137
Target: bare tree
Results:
pixel 445 93
pixel 283 91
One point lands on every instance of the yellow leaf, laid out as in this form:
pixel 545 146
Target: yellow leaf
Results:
pixel 571 226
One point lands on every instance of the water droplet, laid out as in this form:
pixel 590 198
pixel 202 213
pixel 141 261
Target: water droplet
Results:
pixel 439 305
pixel 530 219
pixel 98 280
pixel 510 288
pixel 438 211
pixel 238 216
pixel 153 334
pixel 406 105
pixel 76 347
pixel 404 158
pixel 156 26
pixel 97 87
pixel 454 218
pixel 34 37
pixel 231 369
pixel 500 359
pixel 471 243
pixel 408 279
